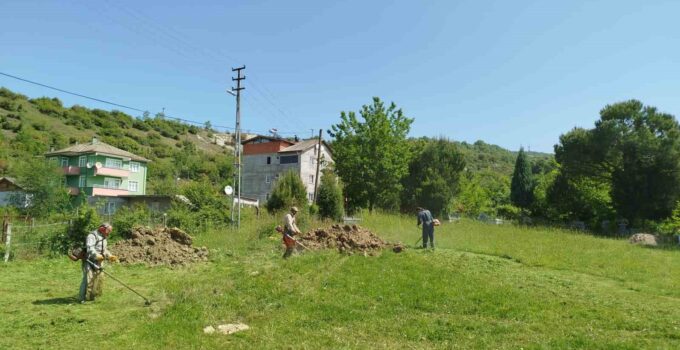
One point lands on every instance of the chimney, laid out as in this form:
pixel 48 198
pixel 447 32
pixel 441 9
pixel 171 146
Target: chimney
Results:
pixel 94 140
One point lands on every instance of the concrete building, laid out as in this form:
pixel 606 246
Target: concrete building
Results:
pixel 266 158
pixel 102 172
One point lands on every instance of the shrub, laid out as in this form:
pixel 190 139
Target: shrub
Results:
pixel 82 224
pixel 330 200
pixel 288 191
pixel 126 218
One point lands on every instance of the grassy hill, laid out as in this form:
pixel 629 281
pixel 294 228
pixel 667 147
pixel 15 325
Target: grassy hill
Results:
pixel 500 287
pixel 31 127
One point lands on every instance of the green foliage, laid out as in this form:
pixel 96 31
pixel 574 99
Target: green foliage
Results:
pixel 634 151
pixel 482 192
pixel 433 178
pixel 85 221
pixel 522 185
pixel 43 180
pixel 289 191
pixel 329 197
pixel 371 155
pixel 126 218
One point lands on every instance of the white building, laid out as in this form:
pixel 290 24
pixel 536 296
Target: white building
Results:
pixel 266 158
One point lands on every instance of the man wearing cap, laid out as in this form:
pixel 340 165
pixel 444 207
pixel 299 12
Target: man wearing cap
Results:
pixel 290 229
pixel 96 252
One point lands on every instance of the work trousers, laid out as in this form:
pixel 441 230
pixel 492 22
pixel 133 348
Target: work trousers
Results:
pixel 92 283
pixel 290 246
pixel 428 235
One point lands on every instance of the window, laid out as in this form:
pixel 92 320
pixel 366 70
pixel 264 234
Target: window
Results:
pixel 134 167
pixel 64 162
pixel 82 161
pixel 289 159
pixel 267 179
pixel 54 160
pixel 132 186
pixel 311 179
pixel 113 163
pixel 267 196
pixel 110 182
pixel 311 161
pixel 110 208
pixel 81 181
pixel 269 160
pixel 310 196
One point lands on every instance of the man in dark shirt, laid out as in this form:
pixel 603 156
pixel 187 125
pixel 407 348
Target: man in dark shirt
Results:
pixel 425 218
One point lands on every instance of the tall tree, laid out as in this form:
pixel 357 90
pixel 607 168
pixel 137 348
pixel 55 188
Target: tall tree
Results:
pixel 433 177
pixel 371 155
pixel 522 185
pixel 635 151
pixel 44 182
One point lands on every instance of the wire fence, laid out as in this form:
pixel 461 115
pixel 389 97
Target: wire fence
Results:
pixel 27 239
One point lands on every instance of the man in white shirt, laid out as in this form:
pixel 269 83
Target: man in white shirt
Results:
pixel 290 229
pixel 96 252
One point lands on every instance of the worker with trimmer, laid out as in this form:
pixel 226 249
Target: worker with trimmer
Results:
pixel 290 229
pixel 95 252
pixel 425 218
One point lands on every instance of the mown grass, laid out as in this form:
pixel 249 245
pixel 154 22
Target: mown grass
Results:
pixel 483 287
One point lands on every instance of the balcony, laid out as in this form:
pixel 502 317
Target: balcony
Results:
pixel 117 172
pixel 101 190
pixel 71 170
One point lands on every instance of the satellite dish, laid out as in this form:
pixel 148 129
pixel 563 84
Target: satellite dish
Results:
pixel 228 190
pixel 88 165
pixel 97 165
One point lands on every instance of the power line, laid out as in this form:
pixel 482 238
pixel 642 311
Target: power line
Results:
pixel 121 105
pixel 73 93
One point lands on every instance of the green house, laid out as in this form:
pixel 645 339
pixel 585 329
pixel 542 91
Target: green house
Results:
pixel 101 170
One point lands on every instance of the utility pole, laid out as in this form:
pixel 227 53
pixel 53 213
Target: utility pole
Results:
pixel 318 165
pixel 237 148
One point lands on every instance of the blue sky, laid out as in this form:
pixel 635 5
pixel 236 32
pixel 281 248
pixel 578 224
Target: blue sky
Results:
pixel 507 72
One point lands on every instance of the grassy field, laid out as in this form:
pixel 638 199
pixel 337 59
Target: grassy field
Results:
pixel 485 286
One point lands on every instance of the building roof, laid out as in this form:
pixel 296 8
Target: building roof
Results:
pixel 12 181
pixel 269 138
pixel 303 146
pixel 95 147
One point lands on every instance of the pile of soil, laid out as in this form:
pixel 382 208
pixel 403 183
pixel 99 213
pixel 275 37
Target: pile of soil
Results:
pixel 161 246
pixel 347 239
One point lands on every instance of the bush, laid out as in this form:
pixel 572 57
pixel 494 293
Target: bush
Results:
pixel 74 235
pixel 289 191
pixel 126 218
pixel 330 199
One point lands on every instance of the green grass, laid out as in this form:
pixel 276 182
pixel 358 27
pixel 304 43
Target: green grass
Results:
pixel 484 287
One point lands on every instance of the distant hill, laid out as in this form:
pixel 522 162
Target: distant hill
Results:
pixel 481 156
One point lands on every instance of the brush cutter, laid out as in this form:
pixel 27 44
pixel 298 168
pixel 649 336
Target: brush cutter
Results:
pixel 147 302
pixel 297 242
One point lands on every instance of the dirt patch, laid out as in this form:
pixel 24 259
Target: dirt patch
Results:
pixel 160 246
pixel 347 239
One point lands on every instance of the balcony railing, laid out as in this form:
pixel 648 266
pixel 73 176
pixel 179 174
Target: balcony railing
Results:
pixel 112 172
pixel 71 170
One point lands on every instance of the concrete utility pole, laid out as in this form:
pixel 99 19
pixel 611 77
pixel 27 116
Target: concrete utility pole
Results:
pixel 318 164
pixel 237 148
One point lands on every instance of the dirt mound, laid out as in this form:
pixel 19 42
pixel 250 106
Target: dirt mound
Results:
pixel 347 239
pixel 160 246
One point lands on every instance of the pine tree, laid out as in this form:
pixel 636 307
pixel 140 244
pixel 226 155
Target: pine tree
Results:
pixel 522 186
pixel 289 191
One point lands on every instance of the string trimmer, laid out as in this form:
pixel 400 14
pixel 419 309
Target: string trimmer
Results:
pixel 147 302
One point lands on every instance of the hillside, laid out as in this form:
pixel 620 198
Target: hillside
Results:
pixel 31 127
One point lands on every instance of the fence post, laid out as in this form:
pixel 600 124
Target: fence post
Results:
pixel 8 241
